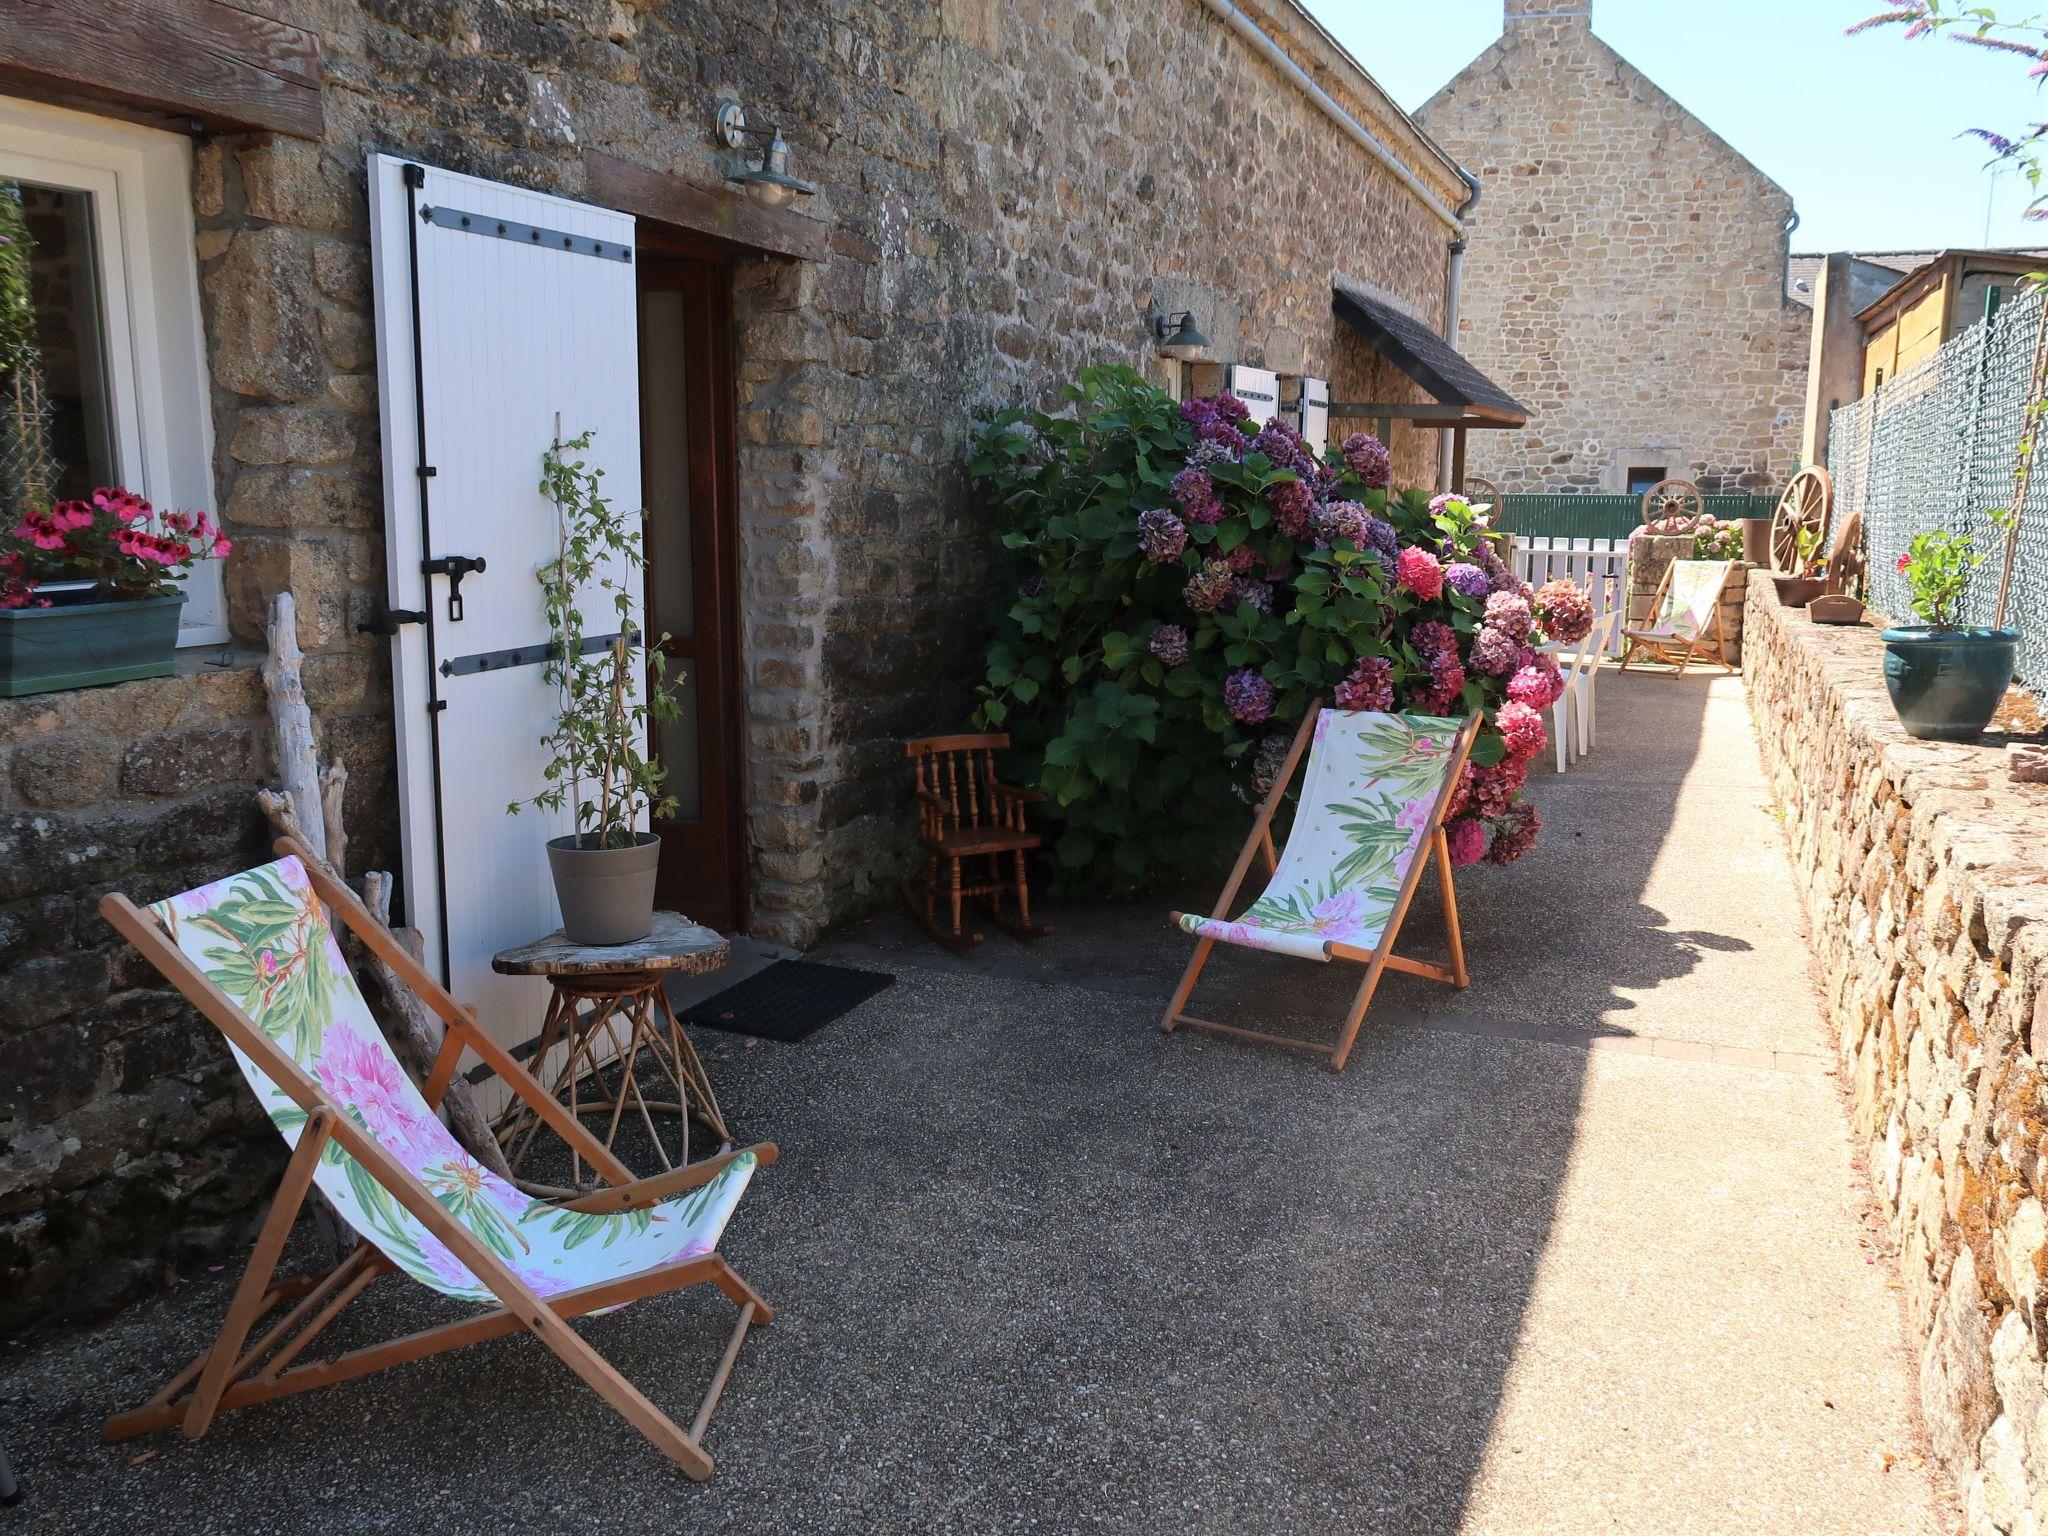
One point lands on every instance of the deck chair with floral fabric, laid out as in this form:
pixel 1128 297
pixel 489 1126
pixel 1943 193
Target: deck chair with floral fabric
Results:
pixel 1685 617
pixel 1370 819
pixel 257 955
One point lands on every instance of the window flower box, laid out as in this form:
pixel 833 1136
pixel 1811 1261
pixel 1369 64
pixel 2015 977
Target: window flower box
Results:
pixel 80 644
pixel 89 591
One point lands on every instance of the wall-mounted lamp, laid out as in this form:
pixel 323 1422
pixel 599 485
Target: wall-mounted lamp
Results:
pixel 770 183
pixel 1179 337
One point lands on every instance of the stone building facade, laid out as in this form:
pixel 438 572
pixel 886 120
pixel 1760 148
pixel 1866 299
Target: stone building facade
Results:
pixel 1626 275
pixel 1004 193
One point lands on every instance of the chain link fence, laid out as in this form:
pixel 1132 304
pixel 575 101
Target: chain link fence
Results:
pixel 1934 449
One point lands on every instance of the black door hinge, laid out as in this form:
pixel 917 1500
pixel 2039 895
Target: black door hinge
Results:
pixel 454 567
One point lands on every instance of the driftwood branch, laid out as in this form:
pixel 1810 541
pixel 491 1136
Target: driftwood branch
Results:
pixel 297 764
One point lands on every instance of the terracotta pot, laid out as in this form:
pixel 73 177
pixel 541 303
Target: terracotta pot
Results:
pixel 1798 591
pixel 1835 608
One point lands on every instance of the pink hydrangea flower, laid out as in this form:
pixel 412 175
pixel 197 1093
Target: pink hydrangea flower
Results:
pixel 1421 573
pixel 1514 835
pixel 1369 686
pixel 1467 838
pixel 1566 612
pixel 1523 729
pixel 1539 684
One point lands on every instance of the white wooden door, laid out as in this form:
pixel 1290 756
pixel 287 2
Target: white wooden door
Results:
pixel 526 326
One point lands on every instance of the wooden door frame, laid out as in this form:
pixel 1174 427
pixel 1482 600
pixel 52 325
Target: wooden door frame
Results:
pixel 713 479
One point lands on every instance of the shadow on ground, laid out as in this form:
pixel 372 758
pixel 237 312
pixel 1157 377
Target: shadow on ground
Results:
pixel 1037 1263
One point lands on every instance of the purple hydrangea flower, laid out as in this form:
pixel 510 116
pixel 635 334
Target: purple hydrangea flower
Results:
pixel 1243 589
pixel 1369 686
pixel 1367 458
pixel 1208 453
pixel 1170 644
pixel 1195 493
pixel 1380 536
pixel 1162 535
pixel 1224 435
pixel 1342 520
pixel 1248 696
pixel 1467 579
pixel 1438 503
pixel 1292 504
pixel 1206 588
pixel 1271 757
pixel 1495 652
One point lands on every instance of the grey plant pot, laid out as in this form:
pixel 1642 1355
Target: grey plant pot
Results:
pixel 606 894
pixel 83 644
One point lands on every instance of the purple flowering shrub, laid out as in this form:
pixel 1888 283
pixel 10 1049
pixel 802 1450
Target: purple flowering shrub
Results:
pixel 1186 581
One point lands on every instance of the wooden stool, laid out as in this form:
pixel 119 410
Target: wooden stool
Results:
pixel 964 813
pixel 614 995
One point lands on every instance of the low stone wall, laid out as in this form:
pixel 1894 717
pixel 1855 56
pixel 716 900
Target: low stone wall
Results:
pixel 1925 877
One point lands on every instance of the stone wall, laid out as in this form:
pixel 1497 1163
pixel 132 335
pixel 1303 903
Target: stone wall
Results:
pixel 1925 877
pixel 1010 189
pixel 1626 278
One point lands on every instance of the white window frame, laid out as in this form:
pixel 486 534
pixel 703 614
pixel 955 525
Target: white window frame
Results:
pixel 158 392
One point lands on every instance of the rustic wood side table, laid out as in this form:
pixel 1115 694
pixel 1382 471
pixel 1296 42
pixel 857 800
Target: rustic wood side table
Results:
pixel 613 995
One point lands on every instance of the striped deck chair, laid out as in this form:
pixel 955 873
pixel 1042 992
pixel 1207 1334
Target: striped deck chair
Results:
pixel 1685 612
pixel 256 954
pixel 1370 818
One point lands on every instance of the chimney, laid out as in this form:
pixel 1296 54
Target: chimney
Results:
pixel 1564 15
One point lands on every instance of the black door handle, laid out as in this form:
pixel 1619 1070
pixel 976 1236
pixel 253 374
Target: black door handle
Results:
pixel 454 567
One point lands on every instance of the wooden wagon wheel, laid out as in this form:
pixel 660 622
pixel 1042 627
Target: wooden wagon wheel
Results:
pixel 1802 511
pixel 1847 563
pixel 1482 492
pixel 1673 498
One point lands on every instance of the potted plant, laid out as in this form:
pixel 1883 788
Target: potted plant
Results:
pixel 89 590
pixel 604 870
pixel 1945 680
pixel 1803 584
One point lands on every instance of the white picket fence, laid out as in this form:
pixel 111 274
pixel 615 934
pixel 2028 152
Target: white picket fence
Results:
pixel 1600 563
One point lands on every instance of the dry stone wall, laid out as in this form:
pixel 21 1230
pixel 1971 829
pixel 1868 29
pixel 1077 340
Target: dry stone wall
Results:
pixel 1626 276
pixel 1925 877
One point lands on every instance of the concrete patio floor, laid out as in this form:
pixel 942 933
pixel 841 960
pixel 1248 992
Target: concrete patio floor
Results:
pixel 1581 1248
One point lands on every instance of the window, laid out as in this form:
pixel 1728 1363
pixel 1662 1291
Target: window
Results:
pixel 1642 477
pixel 102 364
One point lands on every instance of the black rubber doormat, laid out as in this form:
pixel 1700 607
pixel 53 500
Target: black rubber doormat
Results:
pixel 788 1001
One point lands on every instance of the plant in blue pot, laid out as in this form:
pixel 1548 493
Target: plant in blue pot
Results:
pixel 1945 678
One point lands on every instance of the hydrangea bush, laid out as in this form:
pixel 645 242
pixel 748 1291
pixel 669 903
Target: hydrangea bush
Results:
pixel 1183 581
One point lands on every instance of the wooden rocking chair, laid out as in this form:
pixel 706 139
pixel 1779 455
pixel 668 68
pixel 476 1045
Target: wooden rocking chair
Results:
pixel 256 954
pixel 1371 817
pixel 964 812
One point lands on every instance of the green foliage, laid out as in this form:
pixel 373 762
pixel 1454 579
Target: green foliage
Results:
pixel 1938 568
pixel 595 765
pixel 1149 774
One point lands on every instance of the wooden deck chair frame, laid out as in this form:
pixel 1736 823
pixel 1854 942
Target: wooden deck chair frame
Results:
pixel 1377 960
pixel 228 1375
pixel 1678 650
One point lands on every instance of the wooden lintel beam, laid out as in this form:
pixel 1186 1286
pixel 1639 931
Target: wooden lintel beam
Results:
pixel 720 214
pixel 220 65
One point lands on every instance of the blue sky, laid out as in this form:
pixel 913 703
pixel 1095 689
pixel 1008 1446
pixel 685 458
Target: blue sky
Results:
pixel 1860 130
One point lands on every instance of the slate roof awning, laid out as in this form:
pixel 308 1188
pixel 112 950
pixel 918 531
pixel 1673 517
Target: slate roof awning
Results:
pixel 1465 397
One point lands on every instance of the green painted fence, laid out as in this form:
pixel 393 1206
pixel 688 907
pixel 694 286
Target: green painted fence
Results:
pixel 1604 516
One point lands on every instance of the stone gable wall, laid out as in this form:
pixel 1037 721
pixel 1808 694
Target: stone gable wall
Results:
pixel 1625 279
pixel 1925 877
pixel 1008 188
